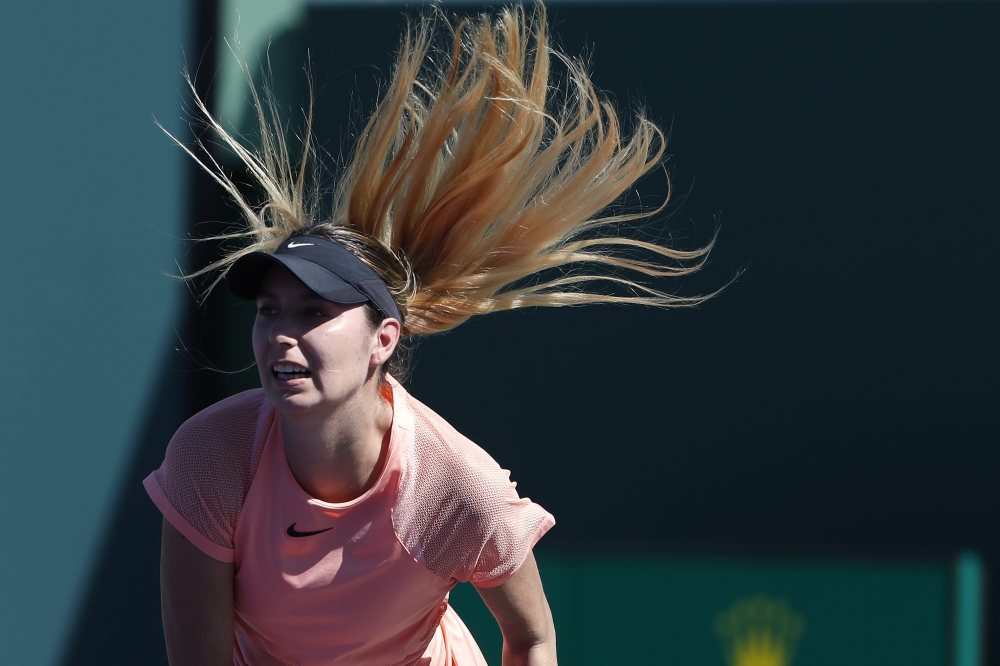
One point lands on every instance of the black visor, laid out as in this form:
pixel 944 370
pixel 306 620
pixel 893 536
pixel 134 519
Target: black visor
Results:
pixel 327 268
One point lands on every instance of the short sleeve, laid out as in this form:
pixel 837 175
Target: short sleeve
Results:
pixel 207 471
pixel 458 512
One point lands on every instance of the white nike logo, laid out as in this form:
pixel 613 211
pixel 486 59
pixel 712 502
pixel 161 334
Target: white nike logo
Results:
pixel 291 245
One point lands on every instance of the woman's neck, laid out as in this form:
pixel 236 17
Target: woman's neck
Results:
pixel 337 455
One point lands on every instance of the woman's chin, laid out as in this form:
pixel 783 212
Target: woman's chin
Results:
pixel 292 402
pixel 291 398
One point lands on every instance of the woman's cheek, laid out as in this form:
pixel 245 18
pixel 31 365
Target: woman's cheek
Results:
pixel 259 348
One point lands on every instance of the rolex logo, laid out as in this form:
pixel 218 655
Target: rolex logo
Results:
pixel 759 632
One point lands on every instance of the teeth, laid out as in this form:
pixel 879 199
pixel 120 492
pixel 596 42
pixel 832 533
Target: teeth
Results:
pixel 289 369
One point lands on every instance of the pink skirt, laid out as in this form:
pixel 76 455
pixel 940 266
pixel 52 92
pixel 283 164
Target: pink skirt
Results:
pixel 452 645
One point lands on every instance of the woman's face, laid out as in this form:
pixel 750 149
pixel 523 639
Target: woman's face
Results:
pixel 311 353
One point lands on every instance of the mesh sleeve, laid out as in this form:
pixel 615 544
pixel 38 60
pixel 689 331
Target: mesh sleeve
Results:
pixel 458 512
pixel 207 470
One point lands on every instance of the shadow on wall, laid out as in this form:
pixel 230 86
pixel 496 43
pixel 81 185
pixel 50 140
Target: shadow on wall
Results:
pixel 119 622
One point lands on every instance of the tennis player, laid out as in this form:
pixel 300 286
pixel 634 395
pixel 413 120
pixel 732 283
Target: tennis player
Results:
pixel 323 519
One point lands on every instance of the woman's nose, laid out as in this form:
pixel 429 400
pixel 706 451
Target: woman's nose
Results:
pixel 281 332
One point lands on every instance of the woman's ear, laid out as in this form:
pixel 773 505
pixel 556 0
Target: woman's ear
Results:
pixel 386 338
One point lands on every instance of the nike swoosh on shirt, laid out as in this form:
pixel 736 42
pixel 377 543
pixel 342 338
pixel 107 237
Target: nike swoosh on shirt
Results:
pixel 292 532
pixel 291 245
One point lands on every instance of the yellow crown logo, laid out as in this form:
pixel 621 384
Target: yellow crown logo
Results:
pixel 759 632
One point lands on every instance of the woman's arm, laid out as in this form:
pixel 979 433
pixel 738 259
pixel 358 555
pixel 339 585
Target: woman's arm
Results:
pixel 196 598
pixel 519 605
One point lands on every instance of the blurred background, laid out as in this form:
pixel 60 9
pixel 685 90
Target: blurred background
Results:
pixel 811 453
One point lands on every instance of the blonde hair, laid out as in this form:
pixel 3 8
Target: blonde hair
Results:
pixel 486 193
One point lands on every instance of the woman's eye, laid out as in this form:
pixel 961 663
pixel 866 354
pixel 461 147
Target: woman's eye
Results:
pixel 315 312
pixel 266 310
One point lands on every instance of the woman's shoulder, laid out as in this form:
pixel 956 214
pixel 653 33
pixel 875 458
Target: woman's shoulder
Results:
pixel 438 443
pixel 233 423
pixel 208 467
pixel 224 432
pixel 222 436
pixel 458 512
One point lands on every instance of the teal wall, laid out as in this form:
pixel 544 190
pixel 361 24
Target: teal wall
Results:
pixel 93 204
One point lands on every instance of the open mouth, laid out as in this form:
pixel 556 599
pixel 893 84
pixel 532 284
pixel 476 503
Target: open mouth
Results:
pixel 287 371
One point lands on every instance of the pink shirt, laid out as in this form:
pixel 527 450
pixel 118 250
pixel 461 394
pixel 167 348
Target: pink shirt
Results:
pixel 362 582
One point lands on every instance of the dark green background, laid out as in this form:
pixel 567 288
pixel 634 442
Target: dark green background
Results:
pixel 840 394
pixel 656 609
